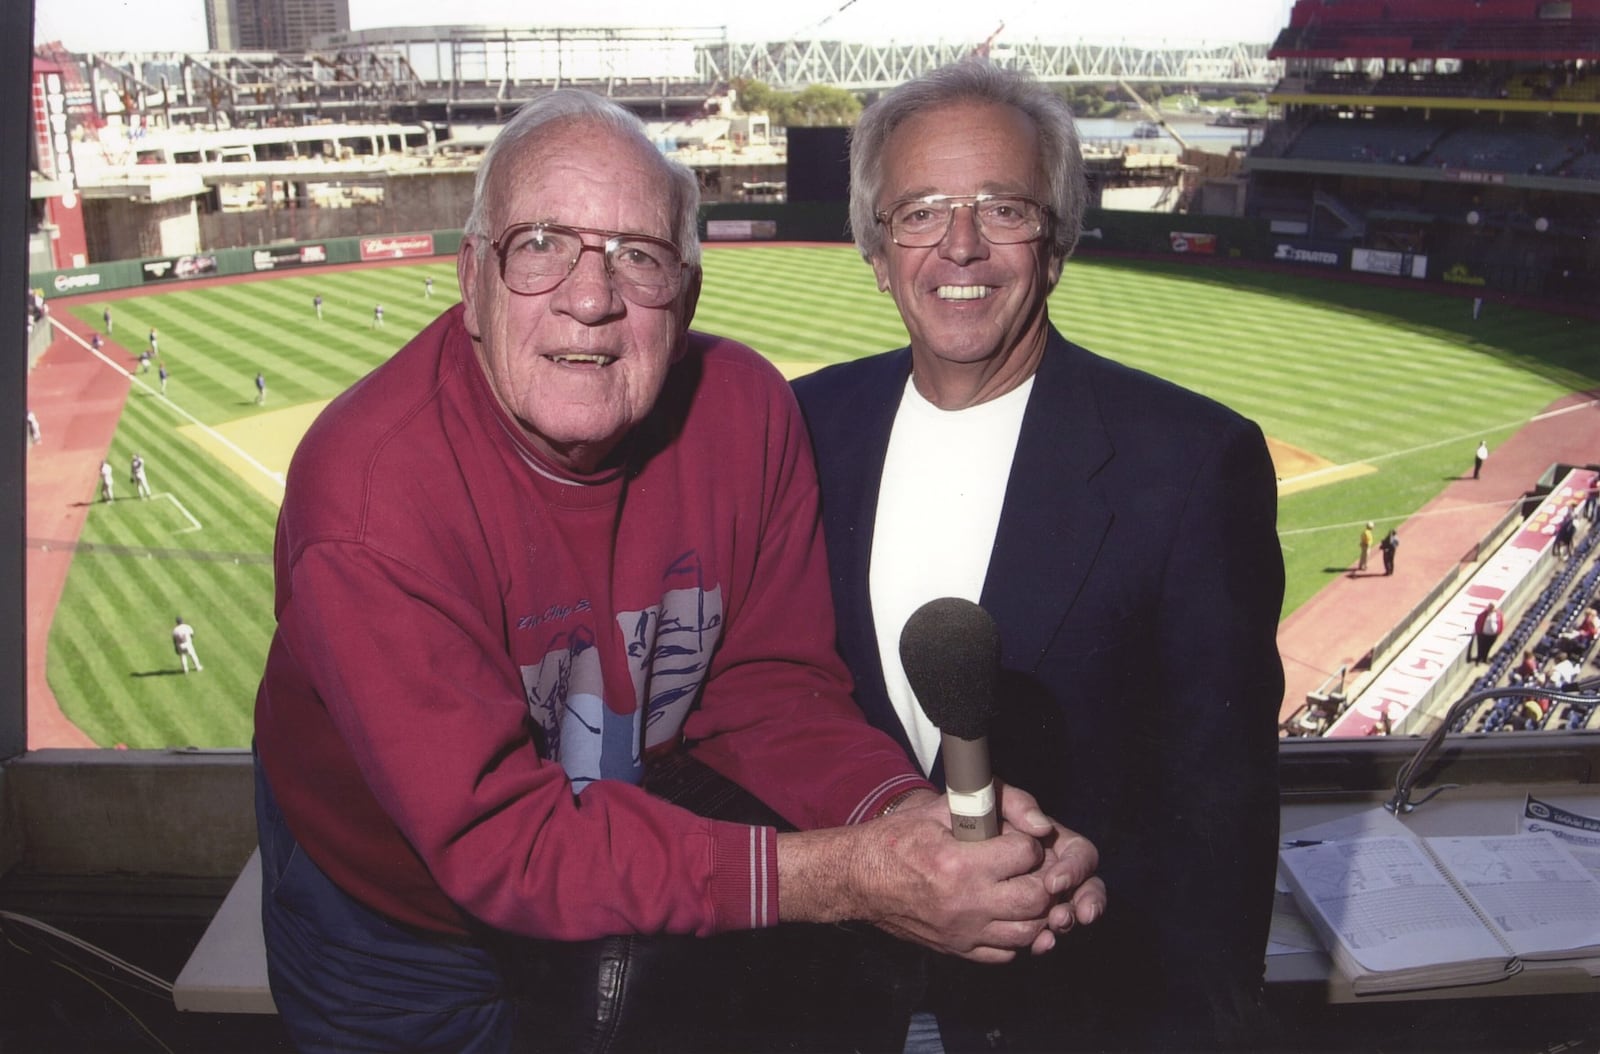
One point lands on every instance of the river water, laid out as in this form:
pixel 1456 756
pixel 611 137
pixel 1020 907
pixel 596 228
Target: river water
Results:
pixel 1116 133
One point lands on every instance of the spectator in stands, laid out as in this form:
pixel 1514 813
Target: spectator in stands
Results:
pixel 1366 546
pixel 37 308
pixel 1528 669
pixel 1388 547
pixel 1563 673
pixel 1486 630
pixel 1565 535
pixel 1119 529
pixel 551 548
pixel 1591 499
pixel 1479 456
pixel 1589 627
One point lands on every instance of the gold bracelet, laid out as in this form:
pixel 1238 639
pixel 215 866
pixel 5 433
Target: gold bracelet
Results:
pixel 896 801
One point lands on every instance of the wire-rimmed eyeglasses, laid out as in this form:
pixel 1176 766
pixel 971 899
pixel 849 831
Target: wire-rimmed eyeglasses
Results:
pixel 1002 219
pixel 537 257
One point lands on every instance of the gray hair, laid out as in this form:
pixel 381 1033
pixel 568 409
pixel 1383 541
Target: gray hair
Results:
pixel 571 104
pixel 978 82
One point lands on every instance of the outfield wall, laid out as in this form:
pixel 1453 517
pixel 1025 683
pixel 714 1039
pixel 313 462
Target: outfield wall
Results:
pixel 154 273
pixel 1197 239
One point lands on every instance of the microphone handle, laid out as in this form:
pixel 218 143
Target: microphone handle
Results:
pixel 969 785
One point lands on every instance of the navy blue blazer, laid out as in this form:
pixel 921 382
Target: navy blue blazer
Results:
pixel 1136 580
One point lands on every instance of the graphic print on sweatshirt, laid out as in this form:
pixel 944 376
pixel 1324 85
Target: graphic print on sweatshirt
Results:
pixel 669 647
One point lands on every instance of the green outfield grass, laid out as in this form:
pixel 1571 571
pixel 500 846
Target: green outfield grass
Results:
pixel 1403 380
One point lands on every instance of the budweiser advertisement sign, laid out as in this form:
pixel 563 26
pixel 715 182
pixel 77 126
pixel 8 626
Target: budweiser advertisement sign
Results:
pixel 397 245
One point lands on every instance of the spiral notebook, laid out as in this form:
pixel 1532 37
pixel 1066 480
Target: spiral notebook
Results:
pixel 1400 913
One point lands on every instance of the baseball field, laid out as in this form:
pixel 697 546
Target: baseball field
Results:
pixel 1372 398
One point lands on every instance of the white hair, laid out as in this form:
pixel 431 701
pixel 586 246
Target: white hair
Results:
pixel 571 104
pixel 970 81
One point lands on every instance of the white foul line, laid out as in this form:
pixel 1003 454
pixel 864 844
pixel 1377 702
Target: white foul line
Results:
pixel 1390 455
pixel 276 477
pixel 186 514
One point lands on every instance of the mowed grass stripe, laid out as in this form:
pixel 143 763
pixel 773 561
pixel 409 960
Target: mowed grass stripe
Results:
pixel 829 290
pixel 293 376
pixel 119 665
pixel 289 378
pixel 1311 349
pixel 1353 373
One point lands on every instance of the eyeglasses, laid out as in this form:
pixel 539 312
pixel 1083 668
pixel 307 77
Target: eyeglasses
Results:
pixel 1002 219
pixel 537 257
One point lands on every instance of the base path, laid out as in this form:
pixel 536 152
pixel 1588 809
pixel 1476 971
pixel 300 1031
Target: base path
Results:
pixel 78 400
pixel 1346 617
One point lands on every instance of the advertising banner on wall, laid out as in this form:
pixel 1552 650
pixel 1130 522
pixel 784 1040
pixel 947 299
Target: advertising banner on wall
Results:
pixel 1194 244
pixel 1382 261
pixel 741 230
pixel 73 283
pixel 397 245
pixel 1462 274
pixel 1316 255
pixel 293 256
pixel 177 267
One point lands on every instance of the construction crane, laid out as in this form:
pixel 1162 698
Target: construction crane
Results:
pixel 1154 114
pixel 982 50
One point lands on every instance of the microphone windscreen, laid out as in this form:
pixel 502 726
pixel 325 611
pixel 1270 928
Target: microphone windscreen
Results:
pixel 950 649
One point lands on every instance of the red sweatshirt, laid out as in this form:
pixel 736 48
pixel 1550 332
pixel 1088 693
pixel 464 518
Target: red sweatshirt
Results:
pixel 477 653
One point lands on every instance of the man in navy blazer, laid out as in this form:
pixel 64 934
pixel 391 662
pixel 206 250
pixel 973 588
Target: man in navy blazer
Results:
pixel 1120 530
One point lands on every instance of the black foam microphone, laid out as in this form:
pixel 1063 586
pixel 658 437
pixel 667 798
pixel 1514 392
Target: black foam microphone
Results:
pixel 950 649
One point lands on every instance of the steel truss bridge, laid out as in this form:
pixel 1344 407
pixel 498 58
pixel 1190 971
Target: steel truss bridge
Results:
pixel 796 64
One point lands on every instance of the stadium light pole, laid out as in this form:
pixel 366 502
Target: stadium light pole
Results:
pixel 16 32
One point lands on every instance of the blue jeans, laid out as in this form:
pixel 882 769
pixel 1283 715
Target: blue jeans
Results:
pixel 348 979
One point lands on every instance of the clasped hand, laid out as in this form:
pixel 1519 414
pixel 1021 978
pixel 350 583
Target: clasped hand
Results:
pixel 983 901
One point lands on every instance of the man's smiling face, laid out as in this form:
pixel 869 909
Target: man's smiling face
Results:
pixel 974 310
pixel 578 366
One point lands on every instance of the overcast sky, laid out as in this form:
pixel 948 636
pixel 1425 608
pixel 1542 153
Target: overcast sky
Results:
pixel 179 25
